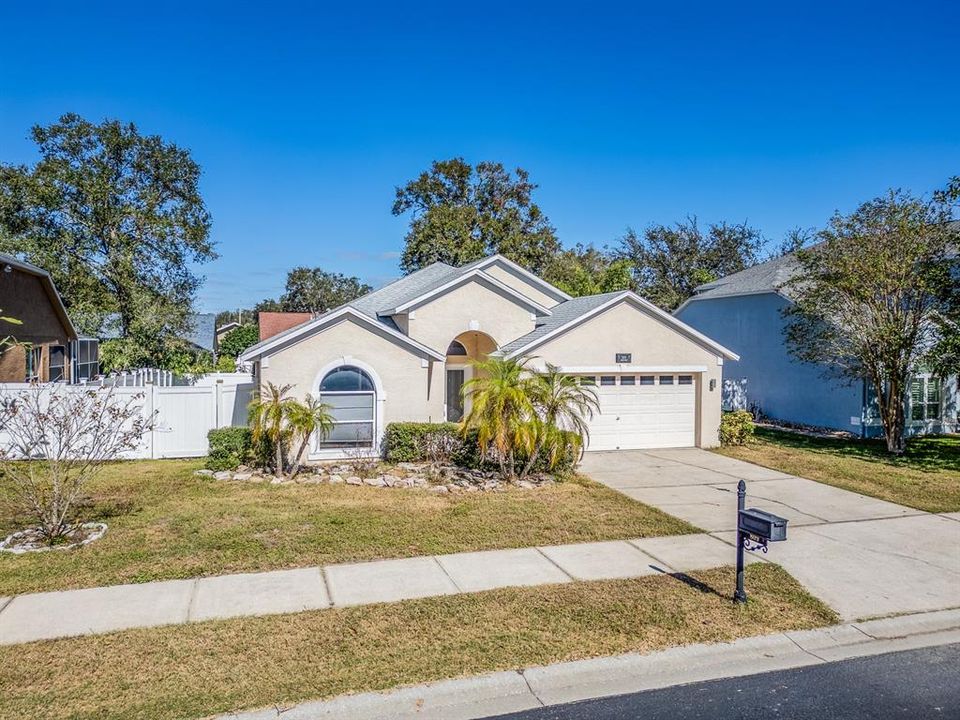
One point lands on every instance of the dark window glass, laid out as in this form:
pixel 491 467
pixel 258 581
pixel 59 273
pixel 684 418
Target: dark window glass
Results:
pixel 588 380
pixel 628 380
pixel 666 379
pixel 456 348
pixel 347 379
pixel 646 379
pixel 608 379
pixel 685 380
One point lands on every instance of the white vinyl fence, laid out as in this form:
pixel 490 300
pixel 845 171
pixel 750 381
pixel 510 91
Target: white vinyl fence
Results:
pixel 184 414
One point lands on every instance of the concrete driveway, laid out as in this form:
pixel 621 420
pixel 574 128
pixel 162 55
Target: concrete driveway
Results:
pixel 864 557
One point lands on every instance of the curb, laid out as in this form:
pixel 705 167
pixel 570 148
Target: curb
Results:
pixel 514 691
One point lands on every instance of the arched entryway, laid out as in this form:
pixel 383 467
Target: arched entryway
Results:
pixel 465 349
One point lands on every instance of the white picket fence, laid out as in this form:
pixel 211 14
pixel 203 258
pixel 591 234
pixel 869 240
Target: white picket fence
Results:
pixel 183 414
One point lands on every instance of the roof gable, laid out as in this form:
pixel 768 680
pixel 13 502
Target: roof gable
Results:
pixel 413 301
pixel 574 312
pixel 520 272
pixel 321 322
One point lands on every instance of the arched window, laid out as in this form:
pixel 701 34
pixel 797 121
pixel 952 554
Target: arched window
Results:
pixel 456 348
pixel 352 396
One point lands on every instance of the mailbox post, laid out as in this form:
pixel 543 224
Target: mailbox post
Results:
pixel 755 528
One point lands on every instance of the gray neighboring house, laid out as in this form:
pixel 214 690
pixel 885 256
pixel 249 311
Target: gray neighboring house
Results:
pixel 743 312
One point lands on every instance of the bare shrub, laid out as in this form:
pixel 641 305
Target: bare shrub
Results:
pixel 55 441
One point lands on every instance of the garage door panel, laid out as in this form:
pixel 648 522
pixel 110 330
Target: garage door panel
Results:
pixel 644 416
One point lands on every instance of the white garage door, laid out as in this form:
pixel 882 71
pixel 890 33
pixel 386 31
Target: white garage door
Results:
pixel 643 411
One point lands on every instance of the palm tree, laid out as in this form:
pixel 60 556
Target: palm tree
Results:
pixel 564 406
pixel 268 414
pixel 306 418
pixel 502 410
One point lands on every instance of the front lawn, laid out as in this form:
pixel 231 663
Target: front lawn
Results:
pixel 165 522
pixel 927 477
pixel 216 667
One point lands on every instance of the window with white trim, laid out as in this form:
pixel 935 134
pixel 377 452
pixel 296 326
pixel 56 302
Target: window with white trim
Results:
pixel 685 380
pixel 608 379
pixel 86 359
pixel 647 379
pixel 352 396
pixel 34 358
pixel 58 356
pixel 628 380
pixel 925 396
pixel 666 379
pixel 588 380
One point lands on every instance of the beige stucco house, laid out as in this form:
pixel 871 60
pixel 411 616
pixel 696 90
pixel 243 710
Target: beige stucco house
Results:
pixel 403 352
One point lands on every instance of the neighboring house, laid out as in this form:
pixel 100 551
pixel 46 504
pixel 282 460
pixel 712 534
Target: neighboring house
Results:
pixel 744 311
pixel 45 338
pixel 403 353
pixel 201 332
pixel 224 329
pixel 273 323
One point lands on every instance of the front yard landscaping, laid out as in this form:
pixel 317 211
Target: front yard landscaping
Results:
pixel 166 522
pixel 216 667
pixel 927 477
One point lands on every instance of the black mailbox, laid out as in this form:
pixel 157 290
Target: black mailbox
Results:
pixel 763 525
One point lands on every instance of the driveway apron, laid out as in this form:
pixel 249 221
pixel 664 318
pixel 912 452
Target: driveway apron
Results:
pixel 864 557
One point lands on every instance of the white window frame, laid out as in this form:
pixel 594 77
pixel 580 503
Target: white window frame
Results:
pixel 925 379
pixel 321 445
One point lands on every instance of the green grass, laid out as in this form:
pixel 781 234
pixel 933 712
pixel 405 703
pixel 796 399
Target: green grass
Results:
pixel 926 477
pixel 215 667
pixel 165 522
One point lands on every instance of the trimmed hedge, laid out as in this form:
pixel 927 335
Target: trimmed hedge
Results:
pixel 419 442
pixel 736 428
pixel 427 442
pixel 229 447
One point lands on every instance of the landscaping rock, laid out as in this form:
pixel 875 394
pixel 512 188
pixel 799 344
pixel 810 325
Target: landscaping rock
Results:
pixel 375 481
pixel 354 480
pixel 223 475
pixel 242 476
pixel 204 472
pixel 335 479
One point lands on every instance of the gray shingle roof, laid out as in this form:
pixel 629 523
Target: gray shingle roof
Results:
pixel 765 277
pixel 422 281
pixel 202 330
pixel 564 313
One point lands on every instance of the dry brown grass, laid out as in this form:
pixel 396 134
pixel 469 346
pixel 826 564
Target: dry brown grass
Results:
pixel 165 523
pixel 215 667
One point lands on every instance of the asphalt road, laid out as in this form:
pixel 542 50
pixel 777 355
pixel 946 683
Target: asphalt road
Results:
pixel 915 684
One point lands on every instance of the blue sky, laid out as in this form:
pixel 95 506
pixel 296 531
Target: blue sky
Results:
pixel 305 117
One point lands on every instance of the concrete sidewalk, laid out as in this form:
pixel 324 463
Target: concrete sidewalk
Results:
pixel 862 556
pixel 41 616
pixel 515 691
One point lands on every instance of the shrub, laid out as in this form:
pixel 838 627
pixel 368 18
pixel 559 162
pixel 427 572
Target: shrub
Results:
pixel 444 442
pixel 229 447
pixel 736 428
pixel 421 442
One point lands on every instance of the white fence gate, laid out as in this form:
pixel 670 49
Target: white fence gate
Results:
pixel 184 414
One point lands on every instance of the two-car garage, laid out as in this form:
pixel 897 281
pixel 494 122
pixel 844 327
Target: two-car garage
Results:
pixel 643 410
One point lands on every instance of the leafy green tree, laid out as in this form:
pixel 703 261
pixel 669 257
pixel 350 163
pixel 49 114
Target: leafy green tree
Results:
pixel 306 419
pixel 501 394
pixel 238 340
pixel 587 271
pixel 868 297
pixel 564 406
pixel 269 411
pixel 117 218
pixel 669 262
pixel 316 290
pixel 460 213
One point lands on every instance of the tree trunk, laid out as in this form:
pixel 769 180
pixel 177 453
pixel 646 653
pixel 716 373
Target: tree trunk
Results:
pixel 278 459
pixel 891 401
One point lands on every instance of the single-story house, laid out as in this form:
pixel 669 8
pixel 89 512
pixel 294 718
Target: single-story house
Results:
pixel 744 311
pixel 45 348
pixel 404 351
